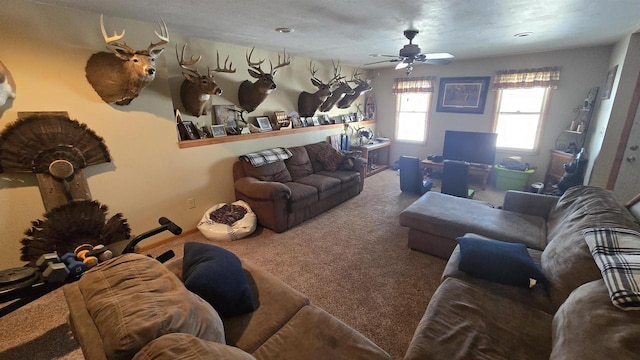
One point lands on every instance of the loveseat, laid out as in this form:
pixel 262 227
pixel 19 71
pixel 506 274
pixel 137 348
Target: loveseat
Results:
pixel 567 314
pixel 285 193
pixel 133 306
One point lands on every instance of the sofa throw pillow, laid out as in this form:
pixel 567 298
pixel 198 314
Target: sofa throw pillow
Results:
pixel 502 262
pixel 330 158
pixel 216 275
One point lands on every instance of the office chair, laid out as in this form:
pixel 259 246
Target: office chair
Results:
pixel 455 179
pixel 411 179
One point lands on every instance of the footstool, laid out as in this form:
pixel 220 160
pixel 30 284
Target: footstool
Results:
pixel 435 220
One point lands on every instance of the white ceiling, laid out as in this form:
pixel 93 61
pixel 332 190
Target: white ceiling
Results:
pixel 350 30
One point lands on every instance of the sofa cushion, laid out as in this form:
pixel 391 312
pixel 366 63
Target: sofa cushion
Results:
pixel 330 158
pixel 566 261
pixel 302 196
pixel 276 171
pixel 464 322
pixel 216 275
pixel 326 185
pixel 188 347
pixel 299 164
pixel 346 177
pixel 499 261
pixel 588 326
pixel 134 299
pixel 327 338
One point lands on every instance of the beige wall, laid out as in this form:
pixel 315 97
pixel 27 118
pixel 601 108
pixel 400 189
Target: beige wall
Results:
pixel 581 69
pixel 46 50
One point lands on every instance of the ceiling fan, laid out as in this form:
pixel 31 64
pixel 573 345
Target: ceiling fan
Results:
pixel 411 54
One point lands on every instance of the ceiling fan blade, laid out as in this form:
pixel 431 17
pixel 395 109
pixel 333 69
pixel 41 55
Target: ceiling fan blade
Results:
pixel 383 61
pixel 437 61
pixel 438 56
pixel 401 65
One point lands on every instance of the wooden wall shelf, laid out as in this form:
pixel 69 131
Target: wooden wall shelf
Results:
pixel 233 138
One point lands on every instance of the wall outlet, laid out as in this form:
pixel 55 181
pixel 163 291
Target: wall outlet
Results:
pixel 191 203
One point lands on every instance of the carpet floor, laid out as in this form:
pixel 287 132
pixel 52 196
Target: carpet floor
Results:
pixel 352 261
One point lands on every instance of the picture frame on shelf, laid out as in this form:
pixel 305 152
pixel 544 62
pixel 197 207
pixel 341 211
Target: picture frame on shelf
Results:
pixel 190 131
pixel 264 123
pixel 315 121
pixel 324 119
pixel 337 119
pixel 466 95
pixel 218 131
pixel 608 84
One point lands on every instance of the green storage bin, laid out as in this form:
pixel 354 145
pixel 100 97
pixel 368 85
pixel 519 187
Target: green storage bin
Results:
pixel 511 179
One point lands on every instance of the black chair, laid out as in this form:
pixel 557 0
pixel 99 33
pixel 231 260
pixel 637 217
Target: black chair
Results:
pixel 411 179
pixel 455 179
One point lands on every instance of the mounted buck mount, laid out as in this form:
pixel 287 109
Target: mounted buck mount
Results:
pixel 362 86
pixel 196 89
pixel 337 93
pixel 309 103
pixel 119 75
pixel 251 95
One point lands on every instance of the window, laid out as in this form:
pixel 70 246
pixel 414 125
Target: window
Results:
pixel 411 123
pixel 519 118
pixel 522 100
pixel 413 99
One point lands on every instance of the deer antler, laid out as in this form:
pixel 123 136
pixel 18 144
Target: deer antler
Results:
pixel 287 61
pixel 254 65
pixel 163 36
pixel 313 70
pixel 183 64
pixel 336 72
pixel 224 69
pixel 110 40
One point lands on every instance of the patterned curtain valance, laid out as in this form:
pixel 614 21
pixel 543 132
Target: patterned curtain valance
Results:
pixel 527 78
pixel 413 85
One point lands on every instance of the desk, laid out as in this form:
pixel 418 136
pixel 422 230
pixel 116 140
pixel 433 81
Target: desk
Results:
pixel 377 155
pixel 473 170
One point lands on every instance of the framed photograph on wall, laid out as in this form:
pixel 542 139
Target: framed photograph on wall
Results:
pixel 218 131
pixel 463 94
pixel 608 84
pixel 264 123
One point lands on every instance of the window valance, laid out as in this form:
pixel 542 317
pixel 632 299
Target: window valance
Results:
pixel 527 78
pixel 413 85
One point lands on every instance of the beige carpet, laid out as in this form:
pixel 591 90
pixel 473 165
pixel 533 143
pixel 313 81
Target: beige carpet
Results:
pixel 352 261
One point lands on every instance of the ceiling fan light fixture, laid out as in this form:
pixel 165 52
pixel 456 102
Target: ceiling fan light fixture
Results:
pixel 401 65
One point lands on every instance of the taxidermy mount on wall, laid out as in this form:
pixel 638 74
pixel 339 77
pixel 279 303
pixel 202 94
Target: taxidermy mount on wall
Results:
pixel 251 95
pixel 7 85
pixel 309 103
pixel 196 89
pixel 119 75
pixel 362 86
pixel 338 92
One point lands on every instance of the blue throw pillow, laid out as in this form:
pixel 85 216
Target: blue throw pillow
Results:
pixel 498 261
pixel 216 275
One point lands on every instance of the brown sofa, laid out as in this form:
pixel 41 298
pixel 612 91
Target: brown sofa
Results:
pixel 134 307
pixel 285 193
pixel 569 317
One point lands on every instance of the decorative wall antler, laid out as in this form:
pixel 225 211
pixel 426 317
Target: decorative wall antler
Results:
pixel 196 89
pixel 251 95
pixel 309 103
pixel 119 75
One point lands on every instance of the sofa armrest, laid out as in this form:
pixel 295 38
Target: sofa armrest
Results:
pixel 529 203
pixel 262 190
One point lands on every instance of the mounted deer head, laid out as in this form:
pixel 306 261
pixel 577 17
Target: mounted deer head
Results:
pixel 338 92
pixel 118 76
pixel 7 85
pixel 196 89
pixel 362 87
pixel 251 95
pixel 309 103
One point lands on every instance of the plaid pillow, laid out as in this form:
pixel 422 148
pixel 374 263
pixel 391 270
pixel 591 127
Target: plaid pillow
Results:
pixel 617 254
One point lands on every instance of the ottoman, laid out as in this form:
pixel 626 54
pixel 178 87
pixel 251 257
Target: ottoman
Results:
pixel 435 220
